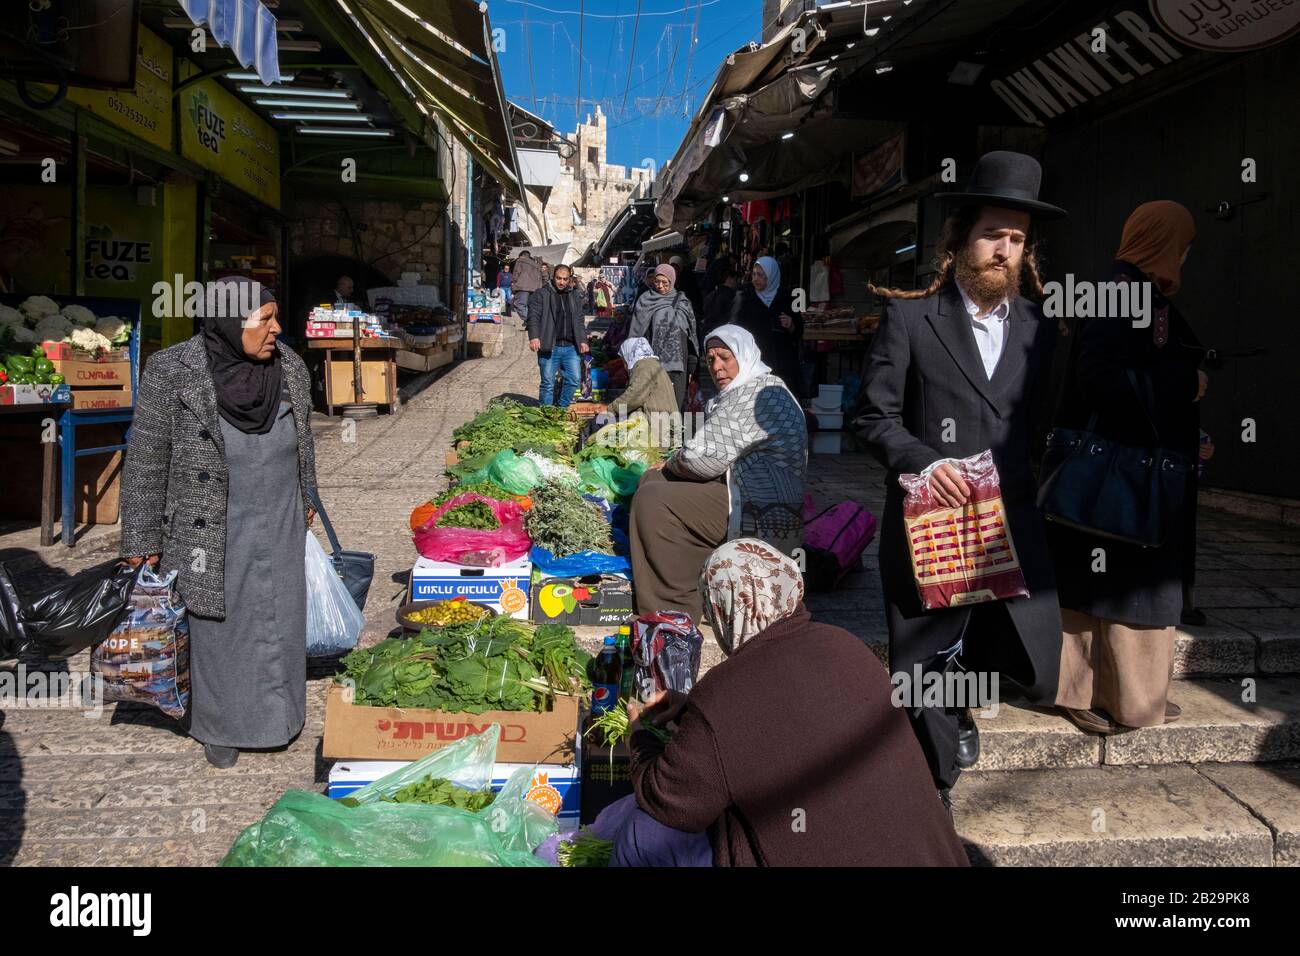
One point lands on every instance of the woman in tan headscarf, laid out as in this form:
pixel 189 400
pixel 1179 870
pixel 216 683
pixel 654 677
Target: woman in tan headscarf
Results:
pixel 1120 602
pixel 797 724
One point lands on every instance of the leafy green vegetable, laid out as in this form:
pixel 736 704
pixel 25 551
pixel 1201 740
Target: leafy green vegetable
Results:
pixel 436 792
pixel 616 727
pixel 585 849
pixel 485 488
pixel 507 424
pixel 474 514
pixel 491 664
pixel 564 523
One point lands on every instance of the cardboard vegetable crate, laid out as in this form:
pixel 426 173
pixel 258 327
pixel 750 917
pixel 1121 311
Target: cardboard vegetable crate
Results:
pixel 357 732
pixel 81 374
pixel 588 601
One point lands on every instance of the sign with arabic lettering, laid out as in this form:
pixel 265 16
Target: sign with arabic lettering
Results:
pixel 222 134
pixel 146 110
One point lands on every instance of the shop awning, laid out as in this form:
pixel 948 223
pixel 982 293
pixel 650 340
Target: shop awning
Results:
pixel 665 240
pixel 245 27
pixel 634 223
pixel 441 53
pixel 553 255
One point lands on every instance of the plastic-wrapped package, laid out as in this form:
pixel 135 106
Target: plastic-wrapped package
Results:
pixel 666 650
pixel 469 546
pixel 308 829
pixel 962 555
pixel 334 621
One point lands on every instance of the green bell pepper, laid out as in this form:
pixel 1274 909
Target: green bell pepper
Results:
pixel 57 378
pixel 19 364
pixel 38 352
pixel 42 369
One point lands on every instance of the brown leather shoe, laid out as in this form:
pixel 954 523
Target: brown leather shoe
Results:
pixel 1172 712
pixel 1090 721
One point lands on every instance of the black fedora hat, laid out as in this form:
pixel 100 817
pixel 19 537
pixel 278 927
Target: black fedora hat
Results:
pixel 1006 180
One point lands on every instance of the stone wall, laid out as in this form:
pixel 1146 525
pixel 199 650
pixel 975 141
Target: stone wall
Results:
pixel 388 235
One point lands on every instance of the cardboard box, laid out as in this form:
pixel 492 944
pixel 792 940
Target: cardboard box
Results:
pixel 67 352
pixel 80 374
pixel 556 787
pixel 394 733
pixel 504 588
pixel 91 398
pixel 34 394
pixel 601 599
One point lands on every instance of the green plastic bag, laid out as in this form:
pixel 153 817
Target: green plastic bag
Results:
pixel 606 477
pixel 508 471
pixel 308 829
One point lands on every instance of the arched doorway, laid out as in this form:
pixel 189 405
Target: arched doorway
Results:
pixel 312 281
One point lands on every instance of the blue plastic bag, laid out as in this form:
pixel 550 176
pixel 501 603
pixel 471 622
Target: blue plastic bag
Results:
pixel 585 562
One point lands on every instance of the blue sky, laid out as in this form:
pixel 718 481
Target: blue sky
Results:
pixel 669 74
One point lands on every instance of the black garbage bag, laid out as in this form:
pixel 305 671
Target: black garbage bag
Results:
pixel 11 634
pixel 77 614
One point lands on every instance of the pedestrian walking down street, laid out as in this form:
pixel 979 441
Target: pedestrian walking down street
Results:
pixel 664 315
pixel 1144 386
pixel 972 352
pixel 526 282
pixel 558 334
pixel 218 472
pixel 504 283
pixel 765 307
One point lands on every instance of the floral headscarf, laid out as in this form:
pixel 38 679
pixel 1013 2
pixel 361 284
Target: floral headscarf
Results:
pixel 748 586
pixel 634 350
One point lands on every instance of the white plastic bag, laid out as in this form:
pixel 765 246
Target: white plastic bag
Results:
pixel 333 620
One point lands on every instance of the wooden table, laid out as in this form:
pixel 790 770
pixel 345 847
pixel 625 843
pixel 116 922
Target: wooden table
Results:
pixel 851 342
pixel 378 371
pixel 51 410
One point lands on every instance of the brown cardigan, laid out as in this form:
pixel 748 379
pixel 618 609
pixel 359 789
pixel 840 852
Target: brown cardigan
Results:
pixel 790 753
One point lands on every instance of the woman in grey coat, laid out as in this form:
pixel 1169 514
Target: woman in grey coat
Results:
pixel 664 316
pixel 219 472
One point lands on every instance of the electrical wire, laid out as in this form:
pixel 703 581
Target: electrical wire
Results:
pixel 630 54
pixel 528 47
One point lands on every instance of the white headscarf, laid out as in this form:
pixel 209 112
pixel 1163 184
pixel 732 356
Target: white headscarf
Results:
pixel 634 350
pixel 773 273
pixel 742 345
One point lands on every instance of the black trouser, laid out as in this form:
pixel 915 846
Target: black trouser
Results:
pixel 990 644
pixel 679 387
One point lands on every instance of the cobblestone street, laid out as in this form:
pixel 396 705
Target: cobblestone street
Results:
pixel 129 788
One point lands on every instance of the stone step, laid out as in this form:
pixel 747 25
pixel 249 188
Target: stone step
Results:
pixel 1217 725
pixel 1213 815
pixel 1234 643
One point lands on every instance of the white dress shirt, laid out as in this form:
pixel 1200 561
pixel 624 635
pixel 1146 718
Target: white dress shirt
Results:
pixel 990 330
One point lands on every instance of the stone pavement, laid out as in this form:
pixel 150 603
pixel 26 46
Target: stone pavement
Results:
pixel 1218 787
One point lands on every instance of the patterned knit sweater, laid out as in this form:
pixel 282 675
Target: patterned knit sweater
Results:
pixel 757 436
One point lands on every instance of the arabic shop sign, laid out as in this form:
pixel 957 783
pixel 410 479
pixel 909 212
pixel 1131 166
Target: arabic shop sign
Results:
pixel 1227 26
pixel 146 110
pixel 220 133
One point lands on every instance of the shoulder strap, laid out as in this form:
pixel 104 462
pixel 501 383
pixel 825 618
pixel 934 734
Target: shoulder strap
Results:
pixel 313 498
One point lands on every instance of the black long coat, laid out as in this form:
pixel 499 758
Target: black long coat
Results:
pixel 781 349
pixel 924 368
pixel 1140 586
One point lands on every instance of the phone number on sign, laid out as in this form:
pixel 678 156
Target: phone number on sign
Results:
pixel 133 114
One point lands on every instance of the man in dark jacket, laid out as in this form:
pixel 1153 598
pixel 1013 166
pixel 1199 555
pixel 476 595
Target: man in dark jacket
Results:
pixel 952 372
pixel 558 334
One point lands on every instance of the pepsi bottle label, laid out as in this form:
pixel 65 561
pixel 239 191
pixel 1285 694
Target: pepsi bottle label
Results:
pixel 603 697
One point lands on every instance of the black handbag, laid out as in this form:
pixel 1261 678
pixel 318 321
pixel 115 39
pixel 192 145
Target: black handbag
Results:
pixel 356 568
pixel 1112 490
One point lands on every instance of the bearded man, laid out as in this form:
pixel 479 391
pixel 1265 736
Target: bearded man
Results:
pixel 952 372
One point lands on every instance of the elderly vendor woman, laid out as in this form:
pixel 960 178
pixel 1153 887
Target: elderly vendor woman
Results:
pixel 742 473
pixel 788 753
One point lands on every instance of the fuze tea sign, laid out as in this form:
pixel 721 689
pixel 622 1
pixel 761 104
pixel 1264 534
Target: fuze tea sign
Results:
pixel 222 134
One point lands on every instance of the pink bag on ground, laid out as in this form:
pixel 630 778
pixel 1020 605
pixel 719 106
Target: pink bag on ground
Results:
pixel 480 549
pixel 833 542
pixel 962 555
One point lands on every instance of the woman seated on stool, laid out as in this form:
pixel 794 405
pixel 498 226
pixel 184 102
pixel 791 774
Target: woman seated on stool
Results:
pixel 742 473
pixel 788 753
pixel 650 391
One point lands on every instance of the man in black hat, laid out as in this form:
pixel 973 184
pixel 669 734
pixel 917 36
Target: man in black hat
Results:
pixel 952 372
